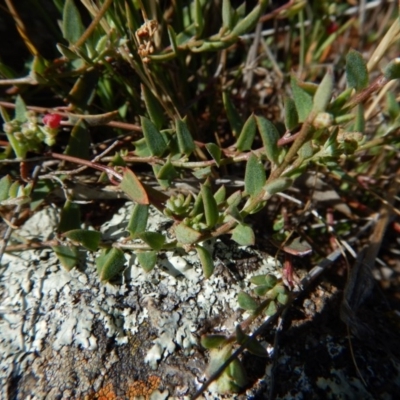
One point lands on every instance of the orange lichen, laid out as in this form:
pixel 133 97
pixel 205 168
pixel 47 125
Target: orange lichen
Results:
pixel 138 389
pixel 141 388
pixel 106 393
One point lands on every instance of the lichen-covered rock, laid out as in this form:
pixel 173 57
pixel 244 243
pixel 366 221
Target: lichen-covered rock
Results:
pixel 65 335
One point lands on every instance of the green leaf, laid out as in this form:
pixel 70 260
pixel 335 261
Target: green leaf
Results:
pixel 323 94
pixel 251 19
pixel 227 14
pixel 38 68
pixel 238 374
pixel 243 235
pixel 172 39
pixel 291 116
pixel 246 137
pixel 356 71
pixel 283 298
pixel 79 141
pixel 220 195
pixel 202 173
pixel 154 109
pixel 154 139
pixel 241 337
pixel 141 148
pixel 110 263
pixel 117 160
pixel 13 191
pixel 340 100
pixel 213 341
pixel 298 248
pixel 198 18
pixel 276 291
pixel 166 172
pixel 359 123
pixel 234 199
pixel 268 280
pixel 232 114
pixel 185 140
pixel 246 302
pixel 206 261
pixel 271 309
pixel 102 44
pixel 215 152
pixel 306 151
pixel 392 70
pixel 198 206
pixel 20 149
pixel 270 136
pixel 302 99
pixel 88 239
pixel 20 110
pixel 4 114
pixel 261 290
pixel 256 348
pixel 68 256
pixel 70 217
pixel 66 52
pixel 218 357
pixel 138 221
pixel 276 186
pixel 159 170
pixel 233 212
pixel 72 27
pixel 309 87
pixel 133 188
pixel 154 239
pixel 5 184
pixel 393 107
pixel 254 178
pixel 210 206
pixel 147 259
pixel 251 343
pixel 186 235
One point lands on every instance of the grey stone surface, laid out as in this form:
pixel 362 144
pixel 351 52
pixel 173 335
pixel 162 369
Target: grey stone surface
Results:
pixel 65 335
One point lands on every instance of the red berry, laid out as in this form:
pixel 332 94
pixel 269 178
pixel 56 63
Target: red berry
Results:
pixel 332 28
pixel 52 120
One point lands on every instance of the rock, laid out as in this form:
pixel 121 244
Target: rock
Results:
pixel 65 335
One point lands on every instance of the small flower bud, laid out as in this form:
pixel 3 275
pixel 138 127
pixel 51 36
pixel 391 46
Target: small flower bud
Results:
pixel 323 120
pixel 31 116
pixel 28 133
pixel 8 127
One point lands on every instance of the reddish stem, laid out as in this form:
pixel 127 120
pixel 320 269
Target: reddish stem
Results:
pixel 103 168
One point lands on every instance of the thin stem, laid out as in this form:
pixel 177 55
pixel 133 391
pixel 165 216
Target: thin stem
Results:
pixel 93 24
pixel 103 168
pixel 31 246
pixel 101 119
pixel 303 136
pixel 378 84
